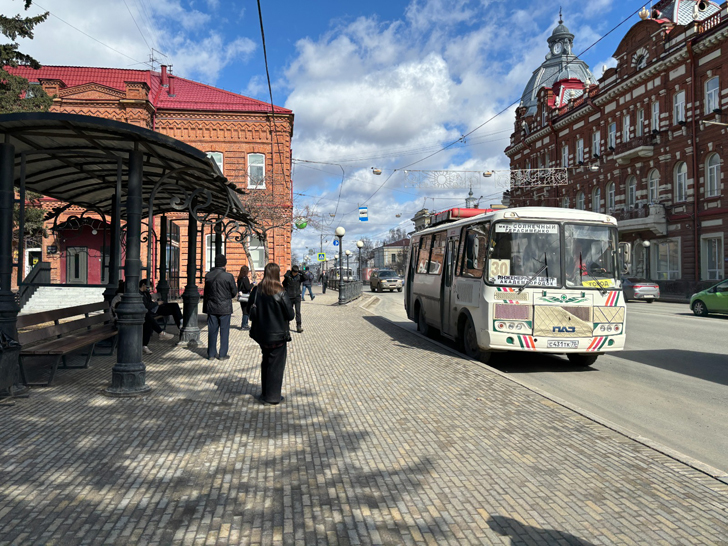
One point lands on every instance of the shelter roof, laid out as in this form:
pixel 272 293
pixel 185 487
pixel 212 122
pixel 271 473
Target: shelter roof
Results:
pixel 76 159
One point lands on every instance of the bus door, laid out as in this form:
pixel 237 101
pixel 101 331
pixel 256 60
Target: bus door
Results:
pixel 409 280
pixel 446 294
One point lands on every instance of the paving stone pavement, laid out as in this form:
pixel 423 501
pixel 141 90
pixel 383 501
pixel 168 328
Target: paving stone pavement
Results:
pixel 384 438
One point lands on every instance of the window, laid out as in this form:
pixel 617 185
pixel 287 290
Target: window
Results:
pixel 217 158
pixel 423 259
pixel 476 246
pixel 257 253
pixel 596 144
pixel 565 155
pixel 631 191
pixel 580 200
pixel 438 253
pixel 543 115
pixel 256 171
pixel 711 95
pixel 210 250
pixel 612 136
pixel 678 107
pixel 681 181
pixel 580 151
pixel 625 128
pixel 653 185
pixel 565 202
pixel 712 254
pixel 597 199
pixel 712 175
pixel 655 123
pixel 610 197
pixel 639 128
pixel 665 257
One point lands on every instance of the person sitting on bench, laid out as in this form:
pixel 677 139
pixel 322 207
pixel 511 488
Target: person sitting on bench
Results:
pixel 157 308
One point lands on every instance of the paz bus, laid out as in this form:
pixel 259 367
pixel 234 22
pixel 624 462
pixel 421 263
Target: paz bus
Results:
pixel 519 279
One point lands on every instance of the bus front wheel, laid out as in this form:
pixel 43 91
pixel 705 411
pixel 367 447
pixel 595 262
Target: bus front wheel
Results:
pixel 470 343
pixel 581 359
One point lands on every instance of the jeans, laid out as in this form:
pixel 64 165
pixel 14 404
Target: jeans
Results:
pixel 149 325
pixel 244 309
pixel 297 306
pixel 217 323
pixel 310 292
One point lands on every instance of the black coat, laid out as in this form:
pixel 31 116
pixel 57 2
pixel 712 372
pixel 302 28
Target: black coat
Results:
pixel 307 278
pixel 220 289
pixel 270 318
pixel 244 285
pixel 292 284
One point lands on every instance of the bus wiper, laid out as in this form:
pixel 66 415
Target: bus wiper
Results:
pixel 543 267
pixel 583 269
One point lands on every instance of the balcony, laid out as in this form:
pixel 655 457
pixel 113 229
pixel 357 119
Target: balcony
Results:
pixel 645 217
pixel 643 146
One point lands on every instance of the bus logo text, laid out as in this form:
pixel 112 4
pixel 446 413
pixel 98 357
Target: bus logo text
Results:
pixel 564 329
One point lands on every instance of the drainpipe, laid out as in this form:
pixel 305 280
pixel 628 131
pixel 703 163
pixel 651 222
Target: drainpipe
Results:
pixel 694 140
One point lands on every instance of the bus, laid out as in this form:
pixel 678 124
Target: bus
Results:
pixel 345 271
pixel 519 279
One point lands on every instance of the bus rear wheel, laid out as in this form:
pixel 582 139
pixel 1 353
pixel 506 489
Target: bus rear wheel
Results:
pixel 422 326
pixel 581 359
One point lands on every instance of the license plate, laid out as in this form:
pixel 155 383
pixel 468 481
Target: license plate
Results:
pixel 563 344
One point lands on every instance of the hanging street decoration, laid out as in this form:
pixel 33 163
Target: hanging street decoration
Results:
pixel 301 223
pixel 506 179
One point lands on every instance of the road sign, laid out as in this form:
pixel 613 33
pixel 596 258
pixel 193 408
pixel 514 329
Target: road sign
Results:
pixel 363 214
pixel 336 242
pixel 321 256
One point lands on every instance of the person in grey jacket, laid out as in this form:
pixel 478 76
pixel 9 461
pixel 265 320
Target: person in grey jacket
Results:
pixel 220 289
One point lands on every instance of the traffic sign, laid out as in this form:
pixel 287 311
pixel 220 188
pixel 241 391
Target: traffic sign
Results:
pixel 336 242
pixel 363 214
pixel 321 256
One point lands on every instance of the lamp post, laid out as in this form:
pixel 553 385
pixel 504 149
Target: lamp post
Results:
pixel 360 245
pixel 340 232
pixel 646 245
pixel 348 253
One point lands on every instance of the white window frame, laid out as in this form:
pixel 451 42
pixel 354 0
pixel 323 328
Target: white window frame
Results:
pixel 210 250
pixel 673 270
pixel 612 135
pixel 254 163
pixel 655 109
pixel 565 202
pixel 712 95
pixel 631 191
pixel 580 201
pixel 681 182
pixel 678 107
pixel 218 158
pixel 653 186
pixel 565 155
pixel 596 143
pixel 625 128
pixel 597 200
pixel 610 197
pixel 579 150
pixel 712 242
pixel 712 175
pixel 639 129
pixel 256 249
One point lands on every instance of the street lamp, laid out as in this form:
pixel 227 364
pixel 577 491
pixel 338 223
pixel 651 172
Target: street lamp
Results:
pixel 348 253
pixel 646 245
pixel 359 245
pixel 340 232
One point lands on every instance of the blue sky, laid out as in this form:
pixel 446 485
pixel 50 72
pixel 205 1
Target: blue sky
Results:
pixel 378 84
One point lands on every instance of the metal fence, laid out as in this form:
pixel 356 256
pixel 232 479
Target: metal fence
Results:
pixel 350 290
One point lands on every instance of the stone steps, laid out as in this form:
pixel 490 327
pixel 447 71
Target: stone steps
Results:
pixel 48 298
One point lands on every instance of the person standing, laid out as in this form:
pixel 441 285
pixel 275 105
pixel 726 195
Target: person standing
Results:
pixel 292 283
pixel 307 283
pixel 220 289
pixel 244 287
pixel 324 278
pixel 271 310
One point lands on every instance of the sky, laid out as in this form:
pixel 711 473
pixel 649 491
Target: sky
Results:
pixel 383 84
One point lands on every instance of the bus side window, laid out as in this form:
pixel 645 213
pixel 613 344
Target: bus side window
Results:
pixel 461 254
pixel 476 246
pixel 438 254
pixel 424 255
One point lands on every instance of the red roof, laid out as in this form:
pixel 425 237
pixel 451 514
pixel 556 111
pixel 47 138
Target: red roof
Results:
pixel 188 94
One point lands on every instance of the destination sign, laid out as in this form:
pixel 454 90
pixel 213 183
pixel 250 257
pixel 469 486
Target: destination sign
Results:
pixel 520 227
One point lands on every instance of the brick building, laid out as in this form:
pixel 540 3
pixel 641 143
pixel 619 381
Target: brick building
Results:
pixel 643 143
pixel 250 143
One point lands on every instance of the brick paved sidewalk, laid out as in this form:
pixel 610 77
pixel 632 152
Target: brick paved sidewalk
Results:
pixel 384 438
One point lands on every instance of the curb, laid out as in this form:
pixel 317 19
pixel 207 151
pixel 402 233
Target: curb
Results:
pixel 695 464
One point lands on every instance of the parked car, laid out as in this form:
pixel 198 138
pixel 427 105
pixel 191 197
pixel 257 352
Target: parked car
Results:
pixel 639 289
pixel 711 300
pixel 385 279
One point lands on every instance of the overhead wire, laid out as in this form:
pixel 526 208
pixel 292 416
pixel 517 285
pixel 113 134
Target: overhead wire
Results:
pixel 137 25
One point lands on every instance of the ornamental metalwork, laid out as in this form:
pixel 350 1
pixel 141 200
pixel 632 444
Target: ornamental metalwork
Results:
pixel 443 179
pixel 505 179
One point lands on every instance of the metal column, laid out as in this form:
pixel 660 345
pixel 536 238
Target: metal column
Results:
pixel 114 250
pixel 191 295
pixel 163 286
pixel 128 376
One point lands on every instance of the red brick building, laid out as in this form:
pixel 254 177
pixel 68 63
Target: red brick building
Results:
pixel 250 143
pixel 644 142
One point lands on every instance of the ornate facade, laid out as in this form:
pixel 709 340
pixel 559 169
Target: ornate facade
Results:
pixel 643 143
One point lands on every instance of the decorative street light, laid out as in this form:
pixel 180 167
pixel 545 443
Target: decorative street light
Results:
pixel 340 232
pixel 348 253
pixel 359 245
pixel 646 245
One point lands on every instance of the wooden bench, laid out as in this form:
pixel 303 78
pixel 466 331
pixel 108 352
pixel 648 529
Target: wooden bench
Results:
pixel 58 339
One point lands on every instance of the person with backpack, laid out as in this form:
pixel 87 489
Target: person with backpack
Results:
pixel 307 283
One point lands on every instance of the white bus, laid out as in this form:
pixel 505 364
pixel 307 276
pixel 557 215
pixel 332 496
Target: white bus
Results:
pixel 519 279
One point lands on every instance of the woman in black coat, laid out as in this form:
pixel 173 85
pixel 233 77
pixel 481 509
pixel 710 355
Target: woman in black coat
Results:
pixel 244 287
pixel 270 310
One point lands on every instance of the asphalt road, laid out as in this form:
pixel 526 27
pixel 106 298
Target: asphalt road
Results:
pixel 670 384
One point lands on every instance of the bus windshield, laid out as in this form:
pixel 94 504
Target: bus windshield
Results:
pixel 525 253
pixel 589 256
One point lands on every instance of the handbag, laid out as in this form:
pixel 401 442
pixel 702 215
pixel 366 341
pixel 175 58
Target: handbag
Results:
pixel 242 297
pixel 253 311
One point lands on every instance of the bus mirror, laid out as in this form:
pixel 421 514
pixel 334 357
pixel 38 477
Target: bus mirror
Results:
pixel 625 257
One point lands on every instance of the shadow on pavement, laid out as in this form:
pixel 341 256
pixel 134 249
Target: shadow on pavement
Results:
pixel 527 362
pixel 526 534
pixel 407 339
pixel 708 366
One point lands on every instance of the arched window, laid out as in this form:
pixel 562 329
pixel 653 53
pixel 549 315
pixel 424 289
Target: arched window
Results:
pixel 712 175
pixel 565 202
pixel 681 181
pixel 580 200
pixel 653 185
pixel 631 191
pixel 597 200
pixel 610 197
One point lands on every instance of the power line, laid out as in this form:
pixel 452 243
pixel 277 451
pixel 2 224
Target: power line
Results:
pixel 137 25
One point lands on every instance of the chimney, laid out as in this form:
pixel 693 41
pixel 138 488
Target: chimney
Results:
pixel 170 91
pixel 165 79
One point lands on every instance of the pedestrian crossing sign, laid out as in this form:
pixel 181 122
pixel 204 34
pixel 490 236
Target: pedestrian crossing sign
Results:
pixel 322 256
